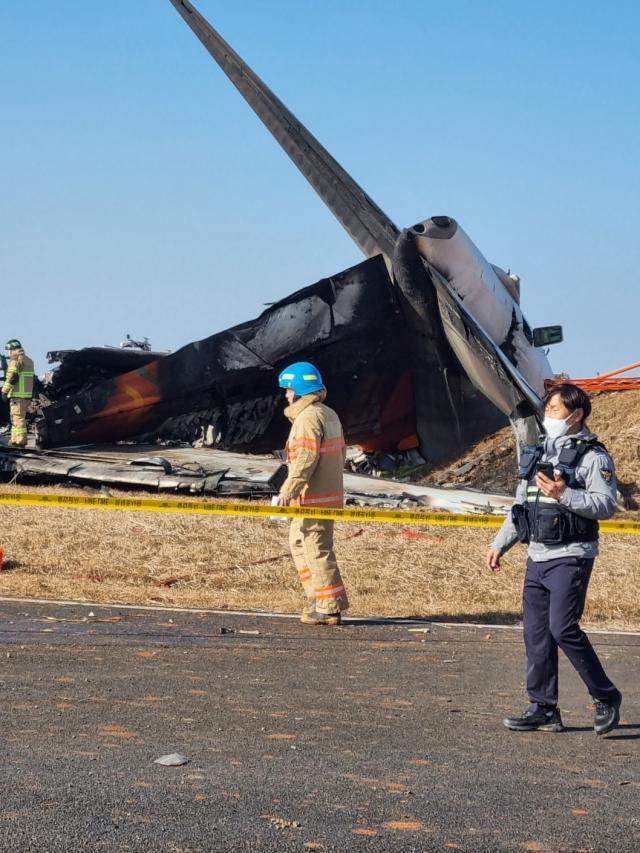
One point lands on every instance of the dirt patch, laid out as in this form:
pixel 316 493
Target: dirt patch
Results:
pixel 491 463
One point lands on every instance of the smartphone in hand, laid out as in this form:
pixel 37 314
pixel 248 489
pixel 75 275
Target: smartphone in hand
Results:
pixel 545 468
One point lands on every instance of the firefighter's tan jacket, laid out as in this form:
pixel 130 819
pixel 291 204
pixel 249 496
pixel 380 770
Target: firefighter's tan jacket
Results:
pixel 315 453
pixel 18 383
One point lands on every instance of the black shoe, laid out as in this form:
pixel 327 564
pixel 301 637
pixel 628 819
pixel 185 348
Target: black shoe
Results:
pixel 606 716
pixel 532 721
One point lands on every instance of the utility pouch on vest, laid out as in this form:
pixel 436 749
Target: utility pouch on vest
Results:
pixel 585 529
pixel 528 458
pixel 550 525
pixel 520 522
pixel 567 462
pixel 570 454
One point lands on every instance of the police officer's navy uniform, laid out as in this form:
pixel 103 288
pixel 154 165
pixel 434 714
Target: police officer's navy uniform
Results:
pixel 563 543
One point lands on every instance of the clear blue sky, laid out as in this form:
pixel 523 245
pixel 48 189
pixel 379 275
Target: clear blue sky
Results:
pixel 140 194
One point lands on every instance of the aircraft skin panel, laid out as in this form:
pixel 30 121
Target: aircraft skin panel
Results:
pixel 483 372
pixel 400 355
pixel 350 324
pixel 366 223
pixel 485 364
pixel 385 379
pixel 465 272
pixel 444 244
pixel 462 271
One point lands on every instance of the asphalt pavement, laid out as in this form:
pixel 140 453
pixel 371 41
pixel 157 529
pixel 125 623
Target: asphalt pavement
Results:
pixel 375 736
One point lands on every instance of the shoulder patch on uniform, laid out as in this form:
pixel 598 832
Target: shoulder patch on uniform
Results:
pixel 606 474
pixel 605 468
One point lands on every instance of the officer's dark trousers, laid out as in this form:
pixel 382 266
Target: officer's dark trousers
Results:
pixel 553 601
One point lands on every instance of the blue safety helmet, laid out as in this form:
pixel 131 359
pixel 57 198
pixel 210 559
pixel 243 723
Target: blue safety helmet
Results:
pixel 302 377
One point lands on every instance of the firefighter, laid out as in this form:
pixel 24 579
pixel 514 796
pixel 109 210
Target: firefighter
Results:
pixel 567 483
pixel 315 455
pixel 18 390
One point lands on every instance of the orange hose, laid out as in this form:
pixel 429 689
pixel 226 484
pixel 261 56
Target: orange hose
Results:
pixel 630 383
pixel 620 370
pixel 611 381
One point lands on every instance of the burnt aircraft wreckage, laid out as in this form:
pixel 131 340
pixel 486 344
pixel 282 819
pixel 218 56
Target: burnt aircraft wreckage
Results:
pixel 423 344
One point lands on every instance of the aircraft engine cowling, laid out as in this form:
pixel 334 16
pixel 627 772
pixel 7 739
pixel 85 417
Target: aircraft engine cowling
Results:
pixel 444 245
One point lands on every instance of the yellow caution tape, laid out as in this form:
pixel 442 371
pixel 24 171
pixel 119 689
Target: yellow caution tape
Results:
pixel 253 510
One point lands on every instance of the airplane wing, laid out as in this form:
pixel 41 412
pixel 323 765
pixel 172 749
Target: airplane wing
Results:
pixel 443 321
pixel 483 361
pixel 488 368
pixel 372 230
pixel 369 227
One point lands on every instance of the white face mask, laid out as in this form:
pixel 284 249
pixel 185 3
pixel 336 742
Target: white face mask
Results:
pixel 556 427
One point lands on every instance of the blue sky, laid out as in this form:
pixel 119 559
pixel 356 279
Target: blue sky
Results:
pixel 140 194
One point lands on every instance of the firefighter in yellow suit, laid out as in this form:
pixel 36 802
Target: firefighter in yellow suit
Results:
pixel 315 455
pixel 18 390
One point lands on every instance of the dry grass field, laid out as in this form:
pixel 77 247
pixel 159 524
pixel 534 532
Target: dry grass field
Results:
pixel 615 419
pixel 193 561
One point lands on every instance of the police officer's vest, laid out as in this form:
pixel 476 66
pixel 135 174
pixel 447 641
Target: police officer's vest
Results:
pixel 543 519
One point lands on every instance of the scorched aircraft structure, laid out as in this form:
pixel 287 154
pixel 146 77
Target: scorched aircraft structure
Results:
pixel 424 344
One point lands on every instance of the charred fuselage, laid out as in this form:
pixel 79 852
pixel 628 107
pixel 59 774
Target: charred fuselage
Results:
pixel 358 327
pixel 422 345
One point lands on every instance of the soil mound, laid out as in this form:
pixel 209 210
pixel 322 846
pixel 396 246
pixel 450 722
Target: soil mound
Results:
pixel 490 464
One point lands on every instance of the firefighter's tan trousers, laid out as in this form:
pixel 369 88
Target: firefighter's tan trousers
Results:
pixel 18 412
pixel 311 543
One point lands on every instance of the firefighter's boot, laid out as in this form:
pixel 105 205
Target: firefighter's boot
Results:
pixel 312 617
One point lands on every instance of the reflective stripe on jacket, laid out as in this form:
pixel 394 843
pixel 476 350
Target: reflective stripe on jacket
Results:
pixel 315 453
pixel 18 382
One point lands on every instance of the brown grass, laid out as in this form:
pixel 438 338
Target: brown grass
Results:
pixel 615 419
pixel 123 557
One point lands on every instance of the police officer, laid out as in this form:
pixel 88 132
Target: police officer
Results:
pixel 315 455
pixel 567 483
pixel 18 390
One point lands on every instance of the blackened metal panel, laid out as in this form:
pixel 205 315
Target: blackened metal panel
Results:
pixel 450 412
pixel 83 368
pixel 350 325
